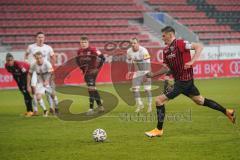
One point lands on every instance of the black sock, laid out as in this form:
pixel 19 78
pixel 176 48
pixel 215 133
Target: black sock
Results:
pixel 28 102
pixel 160 116
pixel 214 105
pixel 97 98
pixel 91 99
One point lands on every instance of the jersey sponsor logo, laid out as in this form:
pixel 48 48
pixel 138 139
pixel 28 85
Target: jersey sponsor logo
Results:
pixel 171 55
pixel 85 58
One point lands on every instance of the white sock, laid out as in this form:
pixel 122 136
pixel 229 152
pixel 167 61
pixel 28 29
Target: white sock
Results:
pixel 34 103
pixel 56 102
pixel 138 98
pixel 150 105
pixel 149 95
pixel 42 104
pixel 139 101
pixel 50 101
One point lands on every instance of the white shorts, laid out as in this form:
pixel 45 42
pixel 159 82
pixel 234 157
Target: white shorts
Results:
pixel 137 81
pixel 34 79
pixel 40 89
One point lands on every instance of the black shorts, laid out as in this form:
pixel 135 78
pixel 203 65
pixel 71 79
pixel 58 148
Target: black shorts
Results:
pixel 183 87
pixel 90 79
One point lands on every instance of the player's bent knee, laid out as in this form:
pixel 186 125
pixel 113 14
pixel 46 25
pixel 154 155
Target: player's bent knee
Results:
pixel 199 100
pixel 147 88
pixel 38 96
pixel 33 90
pixel 159 100
pixel 53 95
pixel 91 88
pixel 135 89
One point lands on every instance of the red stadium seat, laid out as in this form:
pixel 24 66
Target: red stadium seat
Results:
pixel 198 21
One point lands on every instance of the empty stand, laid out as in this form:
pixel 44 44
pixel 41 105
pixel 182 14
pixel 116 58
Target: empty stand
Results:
pixel 215 21
pixel 65 21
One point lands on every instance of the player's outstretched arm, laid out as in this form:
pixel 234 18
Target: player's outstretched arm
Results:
pixel 53 59
pixel 77 61
pixel 164 69
pixel 101 61
pixel 198 49
pixel 26 56
pixel 52 56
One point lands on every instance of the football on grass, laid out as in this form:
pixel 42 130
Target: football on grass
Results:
pixel 99 135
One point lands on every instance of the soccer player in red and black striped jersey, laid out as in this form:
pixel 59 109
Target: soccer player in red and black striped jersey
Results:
pixel 90 61
pixel 19 70
pixel 177 59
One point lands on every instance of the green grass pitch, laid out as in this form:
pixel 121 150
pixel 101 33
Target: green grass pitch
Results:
pixel 206 135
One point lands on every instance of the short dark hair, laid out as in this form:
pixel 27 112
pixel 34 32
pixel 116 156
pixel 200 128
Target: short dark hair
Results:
pixel 39 33
pixel 83 38
pixel 38 53
pixel 168 29
pixel 9 55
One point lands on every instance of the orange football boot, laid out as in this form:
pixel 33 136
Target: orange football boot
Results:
pixel 154 133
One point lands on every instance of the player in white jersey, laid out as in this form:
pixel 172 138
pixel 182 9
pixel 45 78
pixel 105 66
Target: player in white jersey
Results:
pixel 140 58
pixel 48 54
pixel 44 71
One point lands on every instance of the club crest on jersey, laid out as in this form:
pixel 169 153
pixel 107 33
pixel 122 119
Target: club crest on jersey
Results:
pixel 24 70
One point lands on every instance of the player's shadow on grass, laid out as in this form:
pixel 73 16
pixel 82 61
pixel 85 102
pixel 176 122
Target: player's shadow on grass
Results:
pixel 110 101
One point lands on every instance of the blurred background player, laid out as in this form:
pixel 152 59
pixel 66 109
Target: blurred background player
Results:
pixel 177 58
pixel 44 71
pixel 19 70
pixel 138 56
pixel 90 61
pixel 48 55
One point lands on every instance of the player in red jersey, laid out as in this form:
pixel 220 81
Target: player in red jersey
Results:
pixel 19 70
pixel 177 58
pixel 90 61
